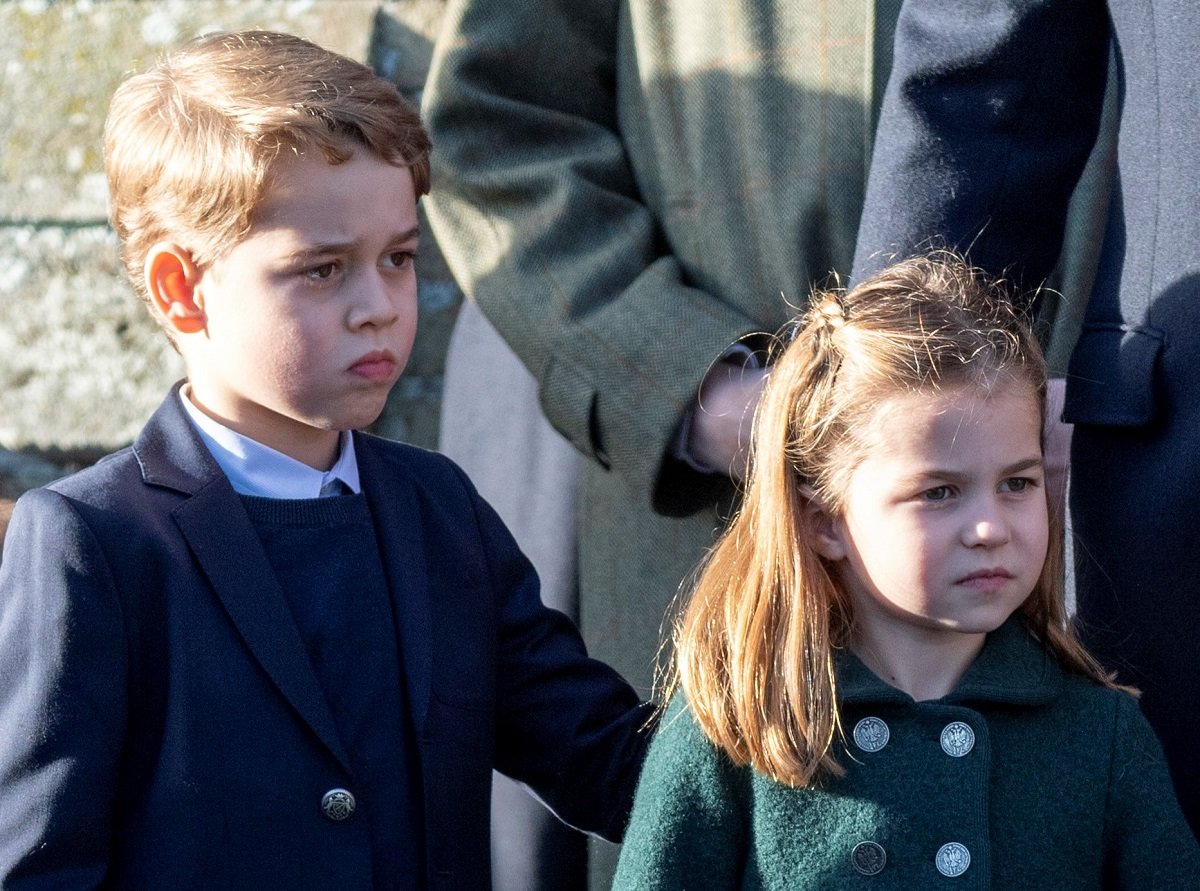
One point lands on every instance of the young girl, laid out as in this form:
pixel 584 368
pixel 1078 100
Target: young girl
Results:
pixel 878 684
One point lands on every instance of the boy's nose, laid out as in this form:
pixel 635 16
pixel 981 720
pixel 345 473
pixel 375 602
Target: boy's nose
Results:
pixel 376 303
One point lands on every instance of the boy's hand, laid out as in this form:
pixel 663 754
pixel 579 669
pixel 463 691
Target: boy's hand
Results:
pixel 720 433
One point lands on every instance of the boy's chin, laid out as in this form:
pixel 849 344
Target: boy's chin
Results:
pixel 361 419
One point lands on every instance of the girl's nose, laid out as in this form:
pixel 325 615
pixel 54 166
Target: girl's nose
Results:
pixel 987 529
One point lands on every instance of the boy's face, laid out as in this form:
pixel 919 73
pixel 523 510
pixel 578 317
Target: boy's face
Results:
pixel 309 320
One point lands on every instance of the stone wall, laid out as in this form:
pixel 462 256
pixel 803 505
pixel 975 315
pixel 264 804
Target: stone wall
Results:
pixel 81 363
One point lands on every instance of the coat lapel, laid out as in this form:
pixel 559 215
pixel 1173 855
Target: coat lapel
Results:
pixel 224 543
pixel 398 530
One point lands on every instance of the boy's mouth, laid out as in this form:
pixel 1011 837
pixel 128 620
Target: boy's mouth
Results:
pixel 377 365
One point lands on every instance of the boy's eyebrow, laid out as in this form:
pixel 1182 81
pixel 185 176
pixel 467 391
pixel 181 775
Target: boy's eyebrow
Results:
pixel 339 247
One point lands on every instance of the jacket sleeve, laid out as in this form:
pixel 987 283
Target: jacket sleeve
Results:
pixel 988 119
pixel 688 827
pixel 62 699
pixel 567 725
pixel 1147 840
pixel 537 211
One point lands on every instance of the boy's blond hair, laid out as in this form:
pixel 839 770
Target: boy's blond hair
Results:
pixel 189 144
pixel 755 645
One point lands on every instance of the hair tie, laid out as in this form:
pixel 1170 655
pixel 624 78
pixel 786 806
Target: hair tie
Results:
pixel 832 315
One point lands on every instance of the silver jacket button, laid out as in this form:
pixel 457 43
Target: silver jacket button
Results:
pixel 952 859
pixel 957 739
pixel 871 734
pixel 868 858
pixel 337 804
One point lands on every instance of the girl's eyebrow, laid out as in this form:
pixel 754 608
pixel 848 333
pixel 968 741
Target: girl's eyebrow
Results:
pixel 945 473
pixel 1023 465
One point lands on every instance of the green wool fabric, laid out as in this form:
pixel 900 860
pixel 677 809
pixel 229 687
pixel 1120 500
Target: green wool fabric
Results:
pixel 1062 785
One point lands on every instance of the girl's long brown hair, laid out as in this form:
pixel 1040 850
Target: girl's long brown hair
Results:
pixel 755 644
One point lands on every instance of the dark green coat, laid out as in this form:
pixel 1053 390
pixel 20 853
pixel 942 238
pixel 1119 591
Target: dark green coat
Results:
pixel 1064 787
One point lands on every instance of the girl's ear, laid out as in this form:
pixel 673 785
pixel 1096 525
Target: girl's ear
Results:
pixel 824 528
pixel 171 278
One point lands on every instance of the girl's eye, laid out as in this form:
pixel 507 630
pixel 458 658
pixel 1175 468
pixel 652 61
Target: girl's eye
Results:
pixel 1016 484
pixel 937 493
pixel 400 259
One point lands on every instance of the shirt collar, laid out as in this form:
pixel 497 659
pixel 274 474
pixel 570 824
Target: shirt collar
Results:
pixel 259 470
pixel 1012 667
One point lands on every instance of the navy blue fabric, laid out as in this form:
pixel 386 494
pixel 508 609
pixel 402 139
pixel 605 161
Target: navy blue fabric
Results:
pixel 326 560
pixel 990 113
pixel 161 724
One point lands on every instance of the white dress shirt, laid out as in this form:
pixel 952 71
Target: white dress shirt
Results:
pixel 256 469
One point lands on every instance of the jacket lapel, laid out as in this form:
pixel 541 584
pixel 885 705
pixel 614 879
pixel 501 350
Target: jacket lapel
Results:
pixel 398 530
pixel 224 543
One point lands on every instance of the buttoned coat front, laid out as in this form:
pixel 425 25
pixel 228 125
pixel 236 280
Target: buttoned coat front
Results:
pixel 990 113
pixel 1022 778
pixel 161 726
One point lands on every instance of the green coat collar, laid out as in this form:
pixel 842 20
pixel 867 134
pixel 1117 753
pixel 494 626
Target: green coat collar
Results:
pixel 1011 668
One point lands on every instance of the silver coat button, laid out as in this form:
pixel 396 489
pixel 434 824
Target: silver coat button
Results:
pixel 868 858
pixel 337 804
pixel 957 739
pixel 952 859
pixel 871 734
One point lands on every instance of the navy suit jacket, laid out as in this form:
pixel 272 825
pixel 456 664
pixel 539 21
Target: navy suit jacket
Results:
pixel 991 110
pixel 161 726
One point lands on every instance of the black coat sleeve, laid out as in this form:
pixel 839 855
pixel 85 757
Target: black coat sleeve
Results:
pixel 989 116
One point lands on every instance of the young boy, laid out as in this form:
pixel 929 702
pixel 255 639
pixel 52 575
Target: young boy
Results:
pixel 210 675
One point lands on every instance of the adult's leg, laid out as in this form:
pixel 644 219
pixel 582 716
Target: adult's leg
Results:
pixel 1135 504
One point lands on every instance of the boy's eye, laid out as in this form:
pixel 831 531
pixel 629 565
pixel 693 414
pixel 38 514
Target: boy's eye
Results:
pixel 400 259
pixel 937 493
pixel 323 272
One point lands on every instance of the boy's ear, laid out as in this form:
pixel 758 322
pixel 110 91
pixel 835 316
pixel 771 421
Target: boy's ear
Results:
pixel 171 278
pixel 823 527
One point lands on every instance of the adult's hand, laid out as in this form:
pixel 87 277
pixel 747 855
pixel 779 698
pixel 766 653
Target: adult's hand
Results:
pixel 720 434
pixel 1057 436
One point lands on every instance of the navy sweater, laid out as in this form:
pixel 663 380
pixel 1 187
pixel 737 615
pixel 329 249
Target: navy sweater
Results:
pixel 326 558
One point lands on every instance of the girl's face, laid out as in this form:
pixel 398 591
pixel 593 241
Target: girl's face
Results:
pixel 944 529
